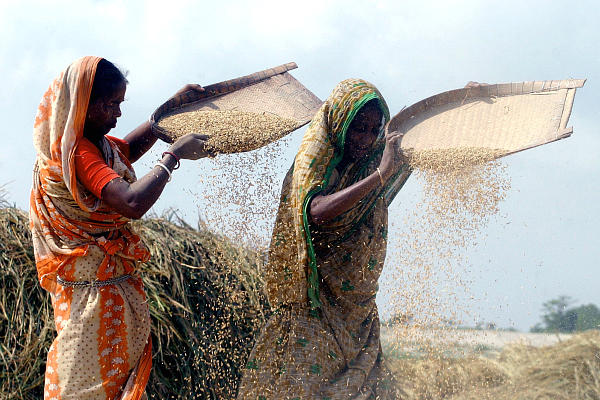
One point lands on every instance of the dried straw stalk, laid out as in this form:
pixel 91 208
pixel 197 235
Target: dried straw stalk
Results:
pixel 206 303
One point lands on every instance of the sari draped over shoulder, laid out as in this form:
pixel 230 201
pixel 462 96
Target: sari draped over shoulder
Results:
pixel 86 257
pixel 323 341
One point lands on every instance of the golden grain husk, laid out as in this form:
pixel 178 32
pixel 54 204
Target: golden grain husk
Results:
pixel 230 131
pixel 455 159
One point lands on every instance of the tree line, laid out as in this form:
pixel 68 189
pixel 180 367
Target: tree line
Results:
pixel 560 316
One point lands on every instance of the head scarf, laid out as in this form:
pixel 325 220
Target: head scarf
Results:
pixel 292 271
pixel 64 217
pixel 59 123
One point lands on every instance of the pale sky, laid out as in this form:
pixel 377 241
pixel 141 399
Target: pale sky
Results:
pixel 546 242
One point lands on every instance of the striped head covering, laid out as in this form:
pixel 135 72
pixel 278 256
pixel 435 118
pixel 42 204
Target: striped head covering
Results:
pixel 64 217
pixel 75 234
pixel 292 271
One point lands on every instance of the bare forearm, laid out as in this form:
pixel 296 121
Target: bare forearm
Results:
pixel 141 138
pixel 140 141
pixel 325 208
pixel 134 200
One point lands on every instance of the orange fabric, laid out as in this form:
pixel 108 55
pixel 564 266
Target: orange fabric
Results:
pixel 121 144
pixel 77 237
pixel 91 169
pixel 85 82
pixel 136 385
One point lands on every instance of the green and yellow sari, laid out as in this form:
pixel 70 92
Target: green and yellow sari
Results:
pixel 323 342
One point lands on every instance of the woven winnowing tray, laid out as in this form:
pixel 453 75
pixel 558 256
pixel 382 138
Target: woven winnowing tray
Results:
pixel 505 118
pixel 273 91
pixel 510 117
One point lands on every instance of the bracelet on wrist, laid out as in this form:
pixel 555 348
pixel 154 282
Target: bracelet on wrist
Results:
pixel 380 177
pixel 175 157
pixel 163 166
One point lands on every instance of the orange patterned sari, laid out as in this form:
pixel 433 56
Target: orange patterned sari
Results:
pixel 86 257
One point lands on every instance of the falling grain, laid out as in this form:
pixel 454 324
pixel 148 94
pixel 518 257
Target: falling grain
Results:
pixel 425 273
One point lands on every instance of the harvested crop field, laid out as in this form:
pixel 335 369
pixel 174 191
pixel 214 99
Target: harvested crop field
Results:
pixel 568 369
pixel 493 339
pixel 185 281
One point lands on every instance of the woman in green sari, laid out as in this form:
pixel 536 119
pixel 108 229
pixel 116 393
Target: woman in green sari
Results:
pixel 326 256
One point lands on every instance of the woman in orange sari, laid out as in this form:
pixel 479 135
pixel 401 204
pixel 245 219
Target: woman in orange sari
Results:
pixel 84 194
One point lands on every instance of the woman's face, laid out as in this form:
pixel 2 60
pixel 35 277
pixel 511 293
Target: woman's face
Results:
pixel 362 133
pixel 102 114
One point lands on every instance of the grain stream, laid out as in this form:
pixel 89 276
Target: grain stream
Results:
pixel 428 252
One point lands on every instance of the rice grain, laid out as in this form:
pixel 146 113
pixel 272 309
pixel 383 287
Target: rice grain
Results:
pixel 230 131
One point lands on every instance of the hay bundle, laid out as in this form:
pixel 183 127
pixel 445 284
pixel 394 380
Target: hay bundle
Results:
pixel 26 326
pixel 438 376
pixel 206 303
pixel 568 370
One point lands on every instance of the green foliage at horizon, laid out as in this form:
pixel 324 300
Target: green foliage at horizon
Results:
pixel 558 316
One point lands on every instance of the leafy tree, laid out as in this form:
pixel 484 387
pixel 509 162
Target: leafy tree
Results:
pixel 558 316
pixel 588 317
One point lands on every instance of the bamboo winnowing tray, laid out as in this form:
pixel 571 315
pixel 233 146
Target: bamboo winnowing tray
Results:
pixel 272 91
pixel 506 118
pixel 510 116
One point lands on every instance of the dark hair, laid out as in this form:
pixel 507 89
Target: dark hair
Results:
pixel 106 80
pixel 371 104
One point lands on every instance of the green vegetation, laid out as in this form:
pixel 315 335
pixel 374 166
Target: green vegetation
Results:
pixel 559 317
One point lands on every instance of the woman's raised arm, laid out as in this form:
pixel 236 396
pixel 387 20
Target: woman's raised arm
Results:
pixel 135 199
pixel 324 208
pixel 141 139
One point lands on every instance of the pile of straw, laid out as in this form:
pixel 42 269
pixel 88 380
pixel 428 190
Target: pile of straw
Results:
pixel 207 305
pixel 205 297
pixel 568 370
